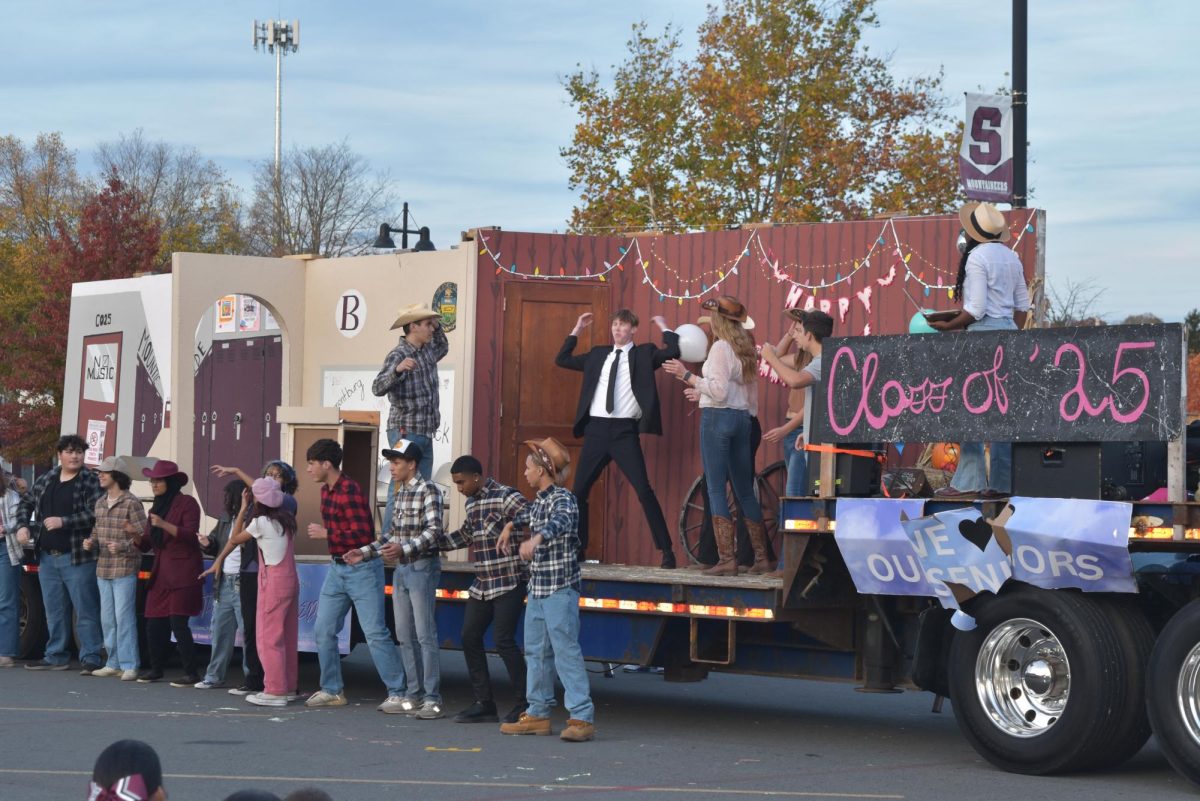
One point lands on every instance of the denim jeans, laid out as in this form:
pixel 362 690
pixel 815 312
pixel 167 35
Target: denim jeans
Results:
pixel 552 644
pixel 414 589
pixel 118 617
pixel 797 465
pixel 424 467
pixel 359 585
pixel 725 450
pixel 64 586
pixel 10 605
pixel 222 630
pixel 972 474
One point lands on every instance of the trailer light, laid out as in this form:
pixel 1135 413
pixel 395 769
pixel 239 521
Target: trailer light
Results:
pixel 453 595
pixel 808 525
pixel 1161 533
pixel 653 607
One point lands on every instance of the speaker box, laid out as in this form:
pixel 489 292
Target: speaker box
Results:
pixel 1132 470
pixel 854 476
pixel 1057 470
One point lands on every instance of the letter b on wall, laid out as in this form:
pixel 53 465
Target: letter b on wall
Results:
pixel 350 314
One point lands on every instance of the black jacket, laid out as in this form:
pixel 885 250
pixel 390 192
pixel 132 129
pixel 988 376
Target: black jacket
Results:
pixel 643 361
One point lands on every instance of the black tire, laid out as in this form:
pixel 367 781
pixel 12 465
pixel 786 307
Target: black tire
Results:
pixel 1015 697
pixel 1173 684
pixel 1136 638
pixel 33 619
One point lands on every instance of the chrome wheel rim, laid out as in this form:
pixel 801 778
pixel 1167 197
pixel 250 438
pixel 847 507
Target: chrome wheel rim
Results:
pixel 1023 677
pixel 1186 689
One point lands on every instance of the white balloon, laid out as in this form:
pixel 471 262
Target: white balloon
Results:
pixel 693 343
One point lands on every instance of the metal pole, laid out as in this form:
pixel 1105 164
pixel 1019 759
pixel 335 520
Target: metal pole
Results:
pixel 404 228
pixel 278 108
pixel 1020 98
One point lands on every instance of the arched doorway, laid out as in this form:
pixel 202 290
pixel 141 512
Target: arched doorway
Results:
pixel 237 369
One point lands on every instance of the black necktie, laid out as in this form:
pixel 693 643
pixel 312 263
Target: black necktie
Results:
pixel 611 396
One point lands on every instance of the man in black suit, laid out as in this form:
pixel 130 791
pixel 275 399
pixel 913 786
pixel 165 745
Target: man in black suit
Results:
pixel 619 402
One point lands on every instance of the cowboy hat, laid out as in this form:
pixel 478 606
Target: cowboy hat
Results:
pixel 551 455
pixel 165 469
pixel 115 464
pixel 728 307
pixel 413 313
pixel 983 222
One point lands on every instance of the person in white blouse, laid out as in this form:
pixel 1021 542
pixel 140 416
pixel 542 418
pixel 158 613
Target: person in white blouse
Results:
pixel 727 392
pixel 991 283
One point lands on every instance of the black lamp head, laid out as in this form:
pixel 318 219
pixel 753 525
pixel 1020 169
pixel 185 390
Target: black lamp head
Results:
pixel 384 241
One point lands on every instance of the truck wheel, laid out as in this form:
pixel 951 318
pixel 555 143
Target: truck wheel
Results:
pixel 1036 685
pixel 1173 691
pixel 33 619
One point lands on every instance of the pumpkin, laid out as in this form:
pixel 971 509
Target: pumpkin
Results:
pixel 944 456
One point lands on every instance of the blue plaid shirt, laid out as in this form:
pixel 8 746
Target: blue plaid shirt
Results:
pixel 413 394
pixel 554 514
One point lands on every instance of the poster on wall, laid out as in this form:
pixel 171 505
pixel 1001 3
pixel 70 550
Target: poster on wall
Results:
pixel 100 372
pixel 225 320
pixel 97 430
pixel 268 320
pixel 350 388
pixel 248 314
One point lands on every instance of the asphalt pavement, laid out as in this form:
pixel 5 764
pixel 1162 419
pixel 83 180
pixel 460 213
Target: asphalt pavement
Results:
pixel 727 738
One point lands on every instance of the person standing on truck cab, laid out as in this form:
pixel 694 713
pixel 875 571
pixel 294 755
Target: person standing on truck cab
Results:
pixel 10 574
pixel 120 520
pixel 415 539
pixel 991 285
pixel 174 592
pixel 727 393
pixel 278 585
pixel 409 378
pixel 552 611
pixel 618 402
pixel 64 501
pixel 348 526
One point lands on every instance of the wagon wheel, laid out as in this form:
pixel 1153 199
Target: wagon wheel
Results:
pixel 695 525
pixel 770 485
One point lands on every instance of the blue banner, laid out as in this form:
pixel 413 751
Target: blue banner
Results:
pixel 312 576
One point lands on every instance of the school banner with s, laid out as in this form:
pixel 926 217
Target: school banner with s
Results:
pixel 985 160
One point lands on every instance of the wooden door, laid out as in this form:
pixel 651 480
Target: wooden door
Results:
pixel 99 394
pixel 538 399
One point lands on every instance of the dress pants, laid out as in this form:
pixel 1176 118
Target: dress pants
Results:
pixel 502 614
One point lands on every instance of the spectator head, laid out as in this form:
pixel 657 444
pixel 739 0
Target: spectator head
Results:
pixel 129 768
pixel 252 795
pixel 308 794
pixel 284 473
pixel 231 497
pixel 71 442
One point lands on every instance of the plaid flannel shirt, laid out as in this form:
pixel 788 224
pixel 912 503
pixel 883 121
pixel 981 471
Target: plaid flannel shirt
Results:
pixel 554 514
pixel 488 511
pixel 413 394
pixel 83 510
pixel 9 502
pixel 416 520
pixel 110 527
pixel 346 515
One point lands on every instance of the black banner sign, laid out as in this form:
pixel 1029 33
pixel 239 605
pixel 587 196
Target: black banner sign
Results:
pixel 1113 383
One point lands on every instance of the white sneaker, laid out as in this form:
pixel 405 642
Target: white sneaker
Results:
pixel 430 710
pixel 106 671
pixel 266 699
pixel 322 698
pixel 396 705
pixel 129 675
pixel 203 684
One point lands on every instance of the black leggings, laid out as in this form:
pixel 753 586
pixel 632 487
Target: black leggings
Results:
pixel 158 633
pixel 502 614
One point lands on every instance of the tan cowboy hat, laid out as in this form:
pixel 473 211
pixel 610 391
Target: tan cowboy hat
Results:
pixel 983 222
pixel 728 307
pixel 413 313
pixel 551 454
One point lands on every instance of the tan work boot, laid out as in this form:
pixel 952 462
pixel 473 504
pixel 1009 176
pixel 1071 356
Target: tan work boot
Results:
pixel 527 724
pixel 724 532
pixel 578 731
pixel 758 542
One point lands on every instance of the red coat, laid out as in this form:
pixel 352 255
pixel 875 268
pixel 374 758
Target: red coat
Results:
pixel 174 588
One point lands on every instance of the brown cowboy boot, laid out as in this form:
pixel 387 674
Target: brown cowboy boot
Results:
pixel 758 541
pixel 724 532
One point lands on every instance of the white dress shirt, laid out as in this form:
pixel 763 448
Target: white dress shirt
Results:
pixel 994 285
pixel 624 404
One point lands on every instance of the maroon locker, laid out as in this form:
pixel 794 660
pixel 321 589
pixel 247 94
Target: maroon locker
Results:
pixel 147 412
pixel 272 397
pixel 202 385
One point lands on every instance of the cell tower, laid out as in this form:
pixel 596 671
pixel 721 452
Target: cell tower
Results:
pixel 278 37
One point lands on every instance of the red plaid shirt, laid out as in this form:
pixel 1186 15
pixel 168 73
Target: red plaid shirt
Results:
pixel 347 516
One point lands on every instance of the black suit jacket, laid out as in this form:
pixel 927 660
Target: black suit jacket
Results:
pixel 643 361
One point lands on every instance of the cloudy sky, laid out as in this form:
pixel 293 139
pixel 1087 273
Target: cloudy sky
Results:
pixel 461 103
